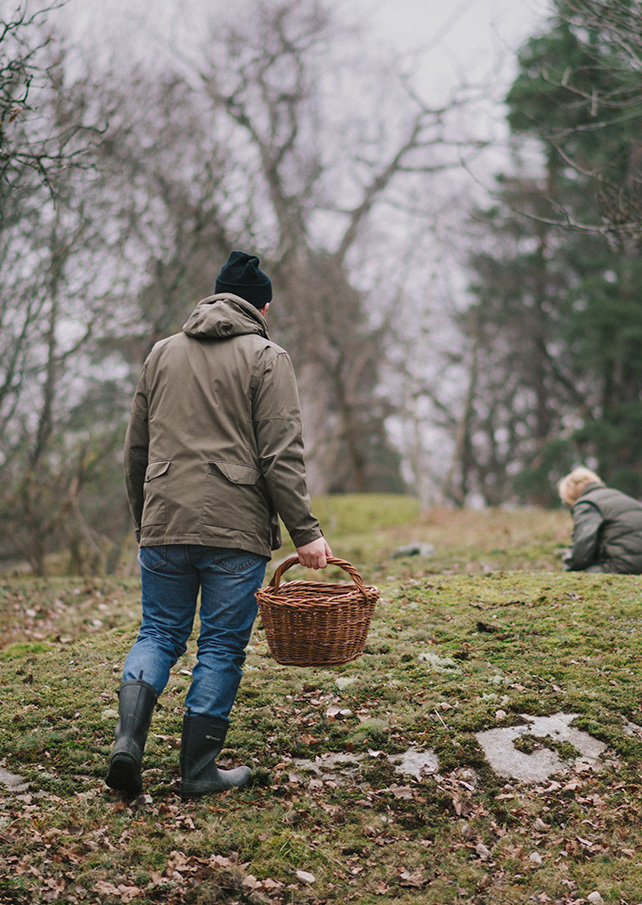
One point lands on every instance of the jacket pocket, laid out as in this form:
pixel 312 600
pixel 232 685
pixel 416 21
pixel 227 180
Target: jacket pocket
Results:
pixel 237 474
pixel 155 491
pixel 232 500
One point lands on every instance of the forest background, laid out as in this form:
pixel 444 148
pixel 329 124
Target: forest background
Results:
pixel 462 342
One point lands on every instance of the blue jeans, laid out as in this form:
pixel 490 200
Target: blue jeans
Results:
pixel 171 577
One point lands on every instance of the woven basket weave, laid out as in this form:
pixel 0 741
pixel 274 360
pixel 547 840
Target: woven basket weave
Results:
pixel 316 623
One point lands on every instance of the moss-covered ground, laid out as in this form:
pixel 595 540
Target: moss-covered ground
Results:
pixel 471 637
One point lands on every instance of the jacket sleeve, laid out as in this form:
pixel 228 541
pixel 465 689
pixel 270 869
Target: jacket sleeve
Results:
pixel 278 430
pixel 584 550
pixel 136 451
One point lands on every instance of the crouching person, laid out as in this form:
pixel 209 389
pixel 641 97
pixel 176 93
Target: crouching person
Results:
pixel 213 457
pixel 607 525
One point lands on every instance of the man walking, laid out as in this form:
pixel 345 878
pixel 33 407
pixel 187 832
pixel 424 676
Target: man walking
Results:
pixel 213 456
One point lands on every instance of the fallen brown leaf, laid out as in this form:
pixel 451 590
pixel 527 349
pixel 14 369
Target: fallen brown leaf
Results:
pixel 415 880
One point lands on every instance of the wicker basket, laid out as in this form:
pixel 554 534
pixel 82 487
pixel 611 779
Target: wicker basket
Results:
pixel 315 623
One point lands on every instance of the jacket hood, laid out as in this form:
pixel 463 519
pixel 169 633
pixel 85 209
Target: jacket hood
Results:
pixel 224 315
pixel 588 488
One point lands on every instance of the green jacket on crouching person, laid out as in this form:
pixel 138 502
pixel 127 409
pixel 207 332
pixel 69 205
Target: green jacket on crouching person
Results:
pixel 607 532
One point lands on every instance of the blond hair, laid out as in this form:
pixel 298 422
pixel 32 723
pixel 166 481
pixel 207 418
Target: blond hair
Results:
pixel 572 486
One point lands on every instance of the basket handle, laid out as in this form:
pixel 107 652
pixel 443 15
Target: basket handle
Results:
pixel 332 561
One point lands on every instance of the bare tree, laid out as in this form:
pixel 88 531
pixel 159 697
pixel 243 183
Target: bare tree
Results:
pixel 53 288
pixel 246 148
pixel 28 68
pixel 312 163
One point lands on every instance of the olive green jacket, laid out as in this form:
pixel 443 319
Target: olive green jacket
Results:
pixel 607 532
pixel 214 445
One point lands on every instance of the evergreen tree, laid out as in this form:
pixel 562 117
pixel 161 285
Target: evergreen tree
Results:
pixel 558 316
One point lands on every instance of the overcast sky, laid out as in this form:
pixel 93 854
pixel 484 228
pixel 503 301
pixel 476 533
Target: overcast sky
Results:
pixel 449 42
pixel 465 38
pixel 445 42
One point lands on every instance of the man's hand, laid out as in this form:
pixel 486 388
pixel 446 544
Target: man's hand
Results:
pixel 315 554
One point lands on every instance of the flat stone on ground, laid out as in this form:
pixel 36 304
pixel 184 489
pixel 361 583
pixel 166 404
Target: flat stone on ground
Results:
pixel 12 782
pixel 507 761
pixel 414 762
pixel 341 768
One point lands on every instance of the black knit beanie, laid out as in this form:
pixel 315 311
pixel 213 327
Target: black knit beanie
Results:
pixel 241 276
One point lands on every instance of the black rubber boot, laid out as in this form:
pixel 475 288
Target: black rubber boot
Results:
pixel 202 742
pixel 136 700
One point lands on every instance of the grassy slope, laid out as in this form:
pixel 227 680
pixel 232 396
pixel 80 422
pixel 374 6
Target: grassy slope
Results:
pixel 514 634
